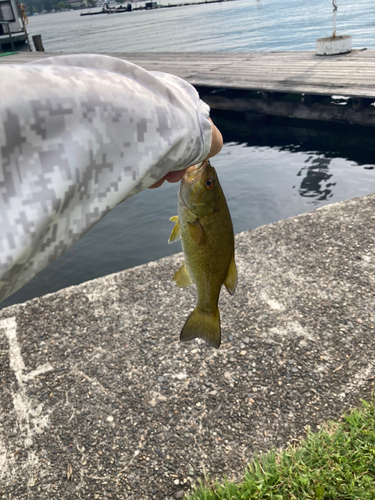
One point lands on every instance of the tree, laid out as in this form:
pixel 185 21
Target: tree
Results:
pixel 60 5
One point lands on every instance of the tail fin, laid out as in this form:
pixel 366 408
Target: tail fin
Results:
pixel 203 325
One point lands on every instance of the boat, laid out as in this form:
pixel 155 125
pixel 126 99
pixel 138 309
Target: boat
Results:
pixel 109 7
pixel 13 21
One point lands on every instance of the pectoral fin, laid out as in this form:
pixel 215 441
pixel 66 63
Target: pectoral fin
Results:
pixel 231 279
pixel 182 277
pixel 197 232
pixel 176 231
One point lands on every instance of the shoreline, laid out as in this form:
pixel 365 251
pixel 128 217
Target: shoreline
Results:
pixel 120 10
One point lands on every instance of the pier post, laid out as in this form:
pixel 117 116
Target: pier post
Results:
pixel 38 44
pixel 332 45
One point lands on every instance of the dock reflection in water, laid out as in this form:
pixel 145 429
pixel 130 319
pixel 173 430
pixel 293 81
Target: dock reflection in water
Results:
pixel 270 169
pixel 315 179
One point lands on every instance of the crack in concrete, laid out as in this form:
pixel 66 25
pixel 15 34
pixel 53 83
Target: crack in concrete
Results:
pixel 29 417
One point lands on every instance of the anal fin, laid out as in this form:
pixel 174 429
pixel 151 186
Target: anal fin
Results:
pixel 182 277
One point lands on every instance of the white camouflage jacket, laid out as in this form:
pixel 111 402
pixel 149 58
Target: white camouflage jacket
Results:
pixel 78 135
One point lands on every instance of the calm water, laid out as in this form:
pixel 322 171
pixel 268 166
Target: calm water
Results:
pixel 236 25
pixel 269 170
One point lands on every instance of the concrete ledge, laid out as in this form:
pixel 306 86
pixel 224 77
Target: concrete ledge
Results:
pixel 100 400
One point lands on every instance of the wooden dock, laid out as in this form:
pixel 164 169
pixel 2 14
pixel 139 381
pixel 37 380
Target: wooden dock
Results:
pixel 295 84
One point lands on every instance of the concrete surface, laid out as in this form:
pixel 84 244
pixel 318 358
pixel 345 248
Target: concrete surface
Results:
pixel 99 399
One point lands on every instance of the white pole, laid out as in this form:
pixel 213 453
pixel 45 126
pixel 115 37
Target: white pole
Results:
pixel 334 18
pixel 332 45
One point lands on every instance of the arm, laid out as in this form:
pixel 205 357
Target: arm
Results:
pixel 216 145
pixel 78 135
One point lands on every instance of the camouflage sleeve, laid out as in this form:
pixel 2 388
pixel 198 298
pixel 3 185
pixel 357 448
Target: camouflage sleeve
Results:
pixel 78 135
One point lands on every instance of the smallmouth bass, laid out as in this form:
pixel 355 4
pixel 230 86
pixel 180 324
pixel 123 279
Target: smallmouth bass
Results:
pixel 206 231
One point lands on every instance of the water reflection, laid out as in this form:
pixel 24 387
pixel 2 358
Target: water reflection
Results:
pixel 327 140
pixel 325 144
pixel 315 183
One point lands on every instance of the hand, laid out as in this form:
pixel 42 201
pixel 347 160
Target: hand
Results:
pixel 176 175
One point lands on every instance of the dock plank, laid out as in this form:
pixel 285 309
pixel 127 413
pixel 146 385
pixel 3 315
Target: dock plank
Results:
pixel 350 74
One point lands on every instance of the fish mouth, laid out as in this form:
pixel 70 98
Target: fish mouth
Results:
pixel 192 172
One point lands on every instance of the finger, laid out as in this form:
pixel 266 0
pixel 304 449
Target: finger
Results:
pixel 174 176
pixel 157 184
pixel 216 141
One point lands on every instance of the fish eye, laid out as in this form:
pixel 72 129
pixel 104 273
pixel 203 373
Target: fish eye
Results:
pixel 209 183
